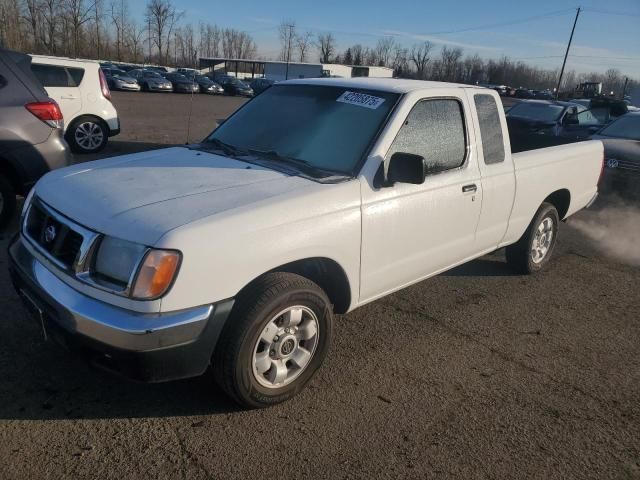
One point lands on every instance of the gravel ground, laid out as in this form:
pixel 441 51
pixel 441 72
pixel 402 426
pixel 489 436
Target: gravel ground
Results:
pixel 476 373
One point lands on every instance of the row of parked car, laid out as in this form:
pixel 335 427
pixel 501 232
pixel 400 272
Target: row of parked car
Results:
pixel 183 80
pixel 521 92
pixel 541 123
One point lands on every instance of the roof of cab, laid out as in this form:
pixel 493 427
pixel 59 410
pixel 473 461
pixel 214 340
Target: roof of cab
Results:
pixel 395 85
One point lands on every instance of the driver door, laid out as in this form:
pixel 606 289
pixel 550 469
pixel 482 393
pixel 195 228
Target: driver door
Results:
pixel 409 231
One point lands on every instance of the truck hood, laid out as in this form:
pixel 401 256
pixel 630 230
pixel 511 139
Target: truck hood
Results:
pixel 141 197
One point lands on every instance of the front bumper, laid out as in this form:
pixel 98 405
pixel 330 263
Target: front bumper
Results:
pixel 161 88
pixel 143 347
pixel 129 87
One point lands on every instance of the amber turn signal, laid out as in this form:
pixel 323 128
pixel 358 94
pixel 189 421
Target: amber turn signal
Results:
pixel 156 274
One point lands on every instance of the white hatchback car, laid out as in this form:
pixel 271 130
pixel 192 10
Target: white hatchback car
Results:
pixel 81 90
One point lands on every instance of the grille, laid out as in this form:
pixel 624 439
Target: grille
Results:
pixel 57 239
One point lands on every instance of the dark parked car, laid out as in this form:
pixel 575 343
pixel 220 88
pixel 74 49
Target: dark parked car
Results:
pixel 233 86
pixel 621 140
pixel 182 84
pixel 31 131
pixel 523 93
pixel 535 123
pixel 151 81
pixel 259 85
pixel 207 85
pixel 120 80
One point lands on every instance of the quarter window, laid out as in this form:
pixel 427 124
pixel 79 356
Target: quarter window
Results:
pixel 434 130
pixel 490 128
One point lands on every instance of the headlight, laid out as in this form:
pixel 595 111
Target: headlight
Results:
pixel 117 259
pixel 142 272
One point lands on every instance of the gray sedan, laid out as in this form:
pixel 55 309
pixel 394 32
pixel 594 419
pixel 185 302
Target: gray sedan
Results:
pixel 151 81
pixel 120 80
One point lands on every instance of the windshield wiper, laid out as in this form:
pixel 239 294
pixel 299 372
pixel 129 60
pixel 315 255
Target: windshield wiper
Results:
pixel 227 148
pixel 296 162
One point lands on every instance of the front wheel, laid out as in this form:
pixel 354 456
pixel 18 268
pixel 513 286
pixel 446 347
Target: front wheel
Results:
pixel 533 251
pixel 87 135
pixel 276 338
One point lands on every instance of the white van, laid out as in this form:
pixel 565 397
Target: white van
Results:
pixel 81 90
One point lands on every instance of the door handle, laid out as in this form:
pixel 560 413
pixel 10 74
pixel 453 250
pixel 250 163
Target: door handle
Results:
pixel 470 188
pixel 68 97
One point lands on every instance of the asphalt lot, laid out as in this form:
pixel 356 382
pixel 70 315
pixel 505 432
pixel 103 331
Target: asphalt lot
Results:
pixel 476 373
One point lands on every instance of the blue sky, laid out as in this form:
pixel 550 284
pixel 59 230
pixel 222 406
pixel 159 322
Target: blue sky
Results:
pixel 607 35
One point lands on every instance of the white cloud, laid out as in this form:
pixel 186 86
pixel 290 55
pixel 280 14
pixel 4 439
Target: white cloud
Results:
pixel 438 40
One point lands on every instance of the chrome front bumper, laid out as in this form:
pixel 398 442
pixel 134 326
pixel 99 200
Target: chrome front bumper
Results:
pixel 147 347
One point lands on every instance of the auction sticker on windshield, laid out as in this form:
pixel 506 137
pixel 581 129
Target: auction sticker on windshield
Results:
pixel 360 99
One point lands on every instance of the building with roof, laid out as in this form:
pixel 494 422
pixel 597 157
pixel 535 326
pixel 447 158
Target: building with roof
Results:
pixel 278 71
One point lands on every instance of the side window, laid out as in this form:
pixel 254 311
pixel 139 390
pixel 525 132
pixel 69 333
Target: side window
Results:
pixel 490 128
pixel 434 130
pixel 51 75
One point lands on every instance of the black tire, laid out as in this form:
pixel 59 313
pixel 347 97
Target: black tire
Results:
pixel 520 255
pixel 8 203
pixel 254 309
pixel 87 123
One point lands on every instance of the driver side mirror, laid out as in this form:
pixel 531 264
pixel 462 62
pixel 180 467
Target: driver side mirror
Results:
pixel 406 168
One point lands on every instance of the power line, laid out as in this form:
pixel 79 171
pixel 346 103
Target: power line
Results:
pixel 507 23
pixel 608 12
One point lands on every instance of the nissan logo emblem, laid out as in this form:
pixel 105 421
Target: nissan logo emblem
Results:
pixel 50 234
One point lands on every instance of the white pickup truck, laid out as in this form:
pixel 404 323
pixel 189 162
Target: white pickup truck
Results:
pixel 316 197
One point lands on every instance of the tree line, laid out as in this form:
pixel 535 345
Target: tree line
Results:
pixel 106 29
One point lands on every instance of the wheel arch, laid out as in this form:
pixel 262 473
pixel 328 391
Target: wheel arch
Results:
pixel 561 200
pixel 325 272
pixel 8 171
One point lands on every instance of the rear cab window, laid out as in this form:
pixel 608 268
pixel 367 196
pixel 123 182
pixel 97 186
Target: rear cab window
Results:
pixel 490 128
pixel 435 130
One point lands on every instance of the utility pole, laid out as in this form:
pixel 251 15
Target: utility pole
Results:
pixel 566 54
pixel 290 27
pixel 624 89
pixel 149 38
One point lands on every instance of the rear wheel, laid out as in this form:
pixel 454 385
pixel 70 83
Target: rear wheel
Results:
pixel 7 201
pixel 87 135
pixel 275 340
pixel 533 251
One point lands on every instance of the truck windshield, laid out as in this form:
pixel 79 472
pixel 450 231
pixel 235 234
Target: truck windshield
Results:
pixel 326 127
pixel 540 112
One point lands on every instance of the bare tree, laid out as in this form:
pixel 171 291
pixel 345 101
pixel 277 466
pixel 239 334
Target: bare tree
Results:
pixel 118 17
pixel 50 14
pixel 287 35
pixel 357 54
pixel 400 61
pixel 327 46
pixel 97 20
pixel 420 57
pixel 450 63
pixel 162 16
pixel 32 12
pixel 133 40
pixel 77 14
pixel 303 42
pixel 384 50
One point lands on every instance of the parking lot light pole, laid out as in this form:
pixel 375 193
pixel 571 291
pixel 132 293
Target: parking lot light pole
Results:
pixel 566 54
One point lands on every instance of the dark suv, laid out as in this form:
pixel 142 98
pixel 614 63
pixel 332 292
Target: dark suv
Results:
pixel 31 131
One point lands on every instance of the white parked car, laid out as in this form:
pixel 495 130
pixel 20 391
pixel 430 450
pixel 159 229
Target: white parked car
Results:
pixel 81 90
pixel 315 198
